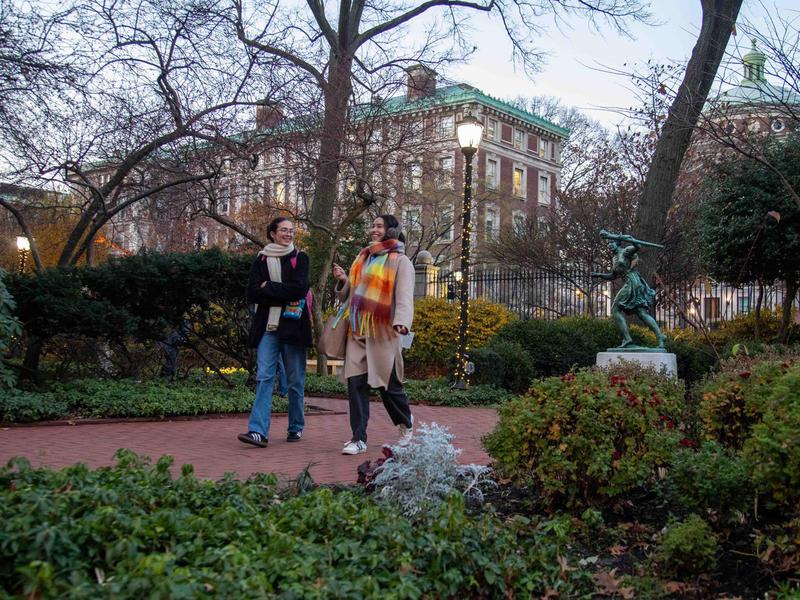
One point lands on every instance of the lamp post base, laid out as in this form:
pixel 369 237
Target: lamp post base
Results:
pixel 460 384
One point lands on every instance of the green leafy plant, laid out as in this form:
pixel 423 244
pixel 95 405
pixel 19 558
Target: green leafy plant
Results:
pixel 102 398
pixel 504 364
pixel 709 479
pixel 731 402
pixel 772 451
pixel 138 530
pixel 586 437
pixel 9 328
pixel 687 548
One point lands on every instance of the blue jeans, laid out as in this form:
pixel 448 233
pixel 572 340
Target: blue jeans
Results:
pixel 294 361
pixel 282 384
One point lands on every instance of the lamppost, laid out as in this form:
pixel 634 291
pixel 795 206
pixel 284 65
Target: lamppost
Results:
pixel 469 131
pixel 23 247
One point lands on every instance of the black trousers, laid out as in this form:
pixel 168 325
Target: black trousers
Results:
pixel 394 399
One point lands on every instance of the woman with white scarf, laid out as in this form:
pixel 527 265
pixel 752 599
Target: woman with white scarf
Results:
pixel 278 284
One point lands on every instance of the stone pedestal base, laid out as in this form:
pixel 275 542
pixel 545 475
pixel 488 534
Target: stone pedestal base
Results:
pixel 658 360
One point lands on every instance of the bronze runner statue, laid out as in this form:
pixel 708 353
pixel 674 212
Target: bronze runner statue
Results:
pixel 635 297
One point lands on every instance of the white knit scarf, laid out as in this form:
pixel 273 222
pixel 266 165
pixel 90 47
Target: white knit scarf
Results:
pixel 273 252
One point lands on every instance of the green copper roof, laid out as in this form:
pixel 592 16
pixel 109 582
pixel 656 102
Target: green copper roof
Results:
pixel 754 89
pixel 462 93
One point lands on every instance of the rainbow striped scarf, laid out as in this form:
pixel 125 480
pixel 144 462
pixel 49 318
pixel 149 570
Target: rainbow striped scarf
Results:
pixel 372 278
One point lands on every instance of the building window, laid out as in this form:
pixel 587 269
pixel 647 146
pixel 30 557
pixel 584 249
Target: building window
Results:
pixel 279 192
pixel 446 222
pixel 444 176
pixel 553 151
pixel 519 182
pixel 491 174
pixel 543 144
pixel 224 199
pixel 201 239
pixel 491 129
pixel 543 223
pixel 413 177
pixel 520 221
pixel 412 219
pixel 519 139
pixel 444 127
pixel 544 189
pixel 492 230
pixel 777 125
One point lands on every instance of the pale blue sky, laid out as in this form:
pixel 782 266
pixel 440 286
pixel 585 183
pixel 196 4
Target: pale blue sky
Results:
pixel 575 54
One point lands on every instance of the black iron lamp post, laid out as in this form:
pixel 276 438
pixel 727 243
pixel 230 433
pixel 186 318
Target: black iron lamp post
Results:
pixel 23 248
pixel 470 132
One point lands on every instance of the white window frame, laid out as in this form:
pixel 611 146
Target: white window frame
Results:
pixel 543 143
pixel 523 184
pixel 493 232
pixel 519 139
pixel 491 129
pixel 412 181
pixel 448 212
pixel 544 190
pixel 412 219
pixel 491 178
pixel 519 220
pixel 445 176
pixel 445 125
pixel 278 191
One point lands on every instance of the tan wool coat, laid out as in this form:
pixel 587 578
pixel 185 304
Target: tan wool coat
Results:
pixel 377 356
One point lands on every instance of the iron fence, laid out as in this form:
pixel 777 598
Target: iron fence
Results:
pixel 550 294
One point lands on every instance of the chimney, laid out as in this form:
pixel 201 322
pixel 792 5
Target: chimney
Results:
pixel 421 82
pixel 268 115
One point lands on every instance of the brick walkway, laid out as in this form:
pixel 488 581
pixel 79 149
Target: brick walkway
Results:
pixel 211 444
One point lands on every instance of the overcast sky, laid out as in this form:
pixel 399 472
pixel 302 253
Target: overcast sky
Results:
pixel 571 72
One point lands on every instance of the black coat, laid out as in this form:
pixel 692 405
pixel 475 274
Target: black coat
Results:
pixel 293 286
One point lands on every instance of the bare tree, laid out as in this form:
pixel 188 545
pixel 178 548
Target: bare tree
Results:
pixel 719 17
pixel 153 85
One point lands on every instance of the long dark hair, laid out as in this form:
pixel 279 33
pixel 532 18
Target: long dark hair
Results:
pixel 393 229
pixel 273 226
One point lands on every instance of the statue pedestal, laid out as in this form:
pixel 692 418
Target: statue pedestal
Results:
pixel 658 360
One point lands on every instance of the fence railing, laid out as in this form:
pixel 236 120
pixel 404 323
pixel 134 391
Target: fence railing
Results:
pixel 544 294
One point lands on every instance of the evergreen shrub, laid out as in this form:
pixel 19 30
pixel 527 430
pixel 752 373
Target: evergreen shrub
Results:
pixel 9 329
pixel 773 448
pixel 504 364
pixel 687 548
pixel 584 438
pixel 732 401
pixel 710 479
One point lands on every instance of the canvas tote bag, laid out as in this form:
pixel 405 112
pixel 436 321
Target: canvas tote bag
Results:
pixel 333 339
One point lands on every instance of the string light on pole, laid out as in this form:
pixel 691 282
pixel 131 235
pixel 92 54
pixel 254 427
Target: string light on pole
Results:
pixel 469 131
pixel 23 248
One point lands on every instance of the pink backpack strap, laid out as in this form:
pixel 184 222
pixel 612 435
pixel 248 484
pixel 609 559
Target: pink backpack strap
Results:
pixel 309 297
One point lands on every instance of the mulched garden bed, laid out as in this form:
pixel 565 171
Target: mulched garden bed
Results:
pixel 621 546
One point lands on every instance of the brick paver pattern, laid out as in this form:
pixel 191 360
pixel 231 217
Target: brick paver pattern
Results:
pixel 211 444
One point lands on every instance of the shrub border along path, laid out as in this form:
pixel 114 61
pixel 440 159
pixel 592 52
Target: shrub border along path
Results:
pixel 211 445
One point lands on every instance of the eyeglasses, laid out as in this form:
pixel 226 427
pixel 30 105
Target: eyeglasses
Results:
pixel 285 230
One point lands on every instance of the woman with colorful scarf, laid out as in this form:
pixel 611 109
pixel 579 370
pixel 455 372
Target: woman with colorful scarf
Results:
pixel 378 300
pixel 281 327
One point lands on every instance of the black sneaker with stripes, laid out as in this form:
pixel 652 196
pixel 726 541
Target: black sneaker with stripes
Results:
pixel 254 439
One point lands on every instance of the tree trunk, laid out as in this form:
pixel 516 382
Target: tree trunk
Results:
pixel 719 17
pixel 30 364
pixel 788 300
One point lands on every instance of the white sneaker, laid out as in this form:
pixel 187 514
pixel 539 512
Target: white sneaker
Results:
pixel 406 433
pixel 351 447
